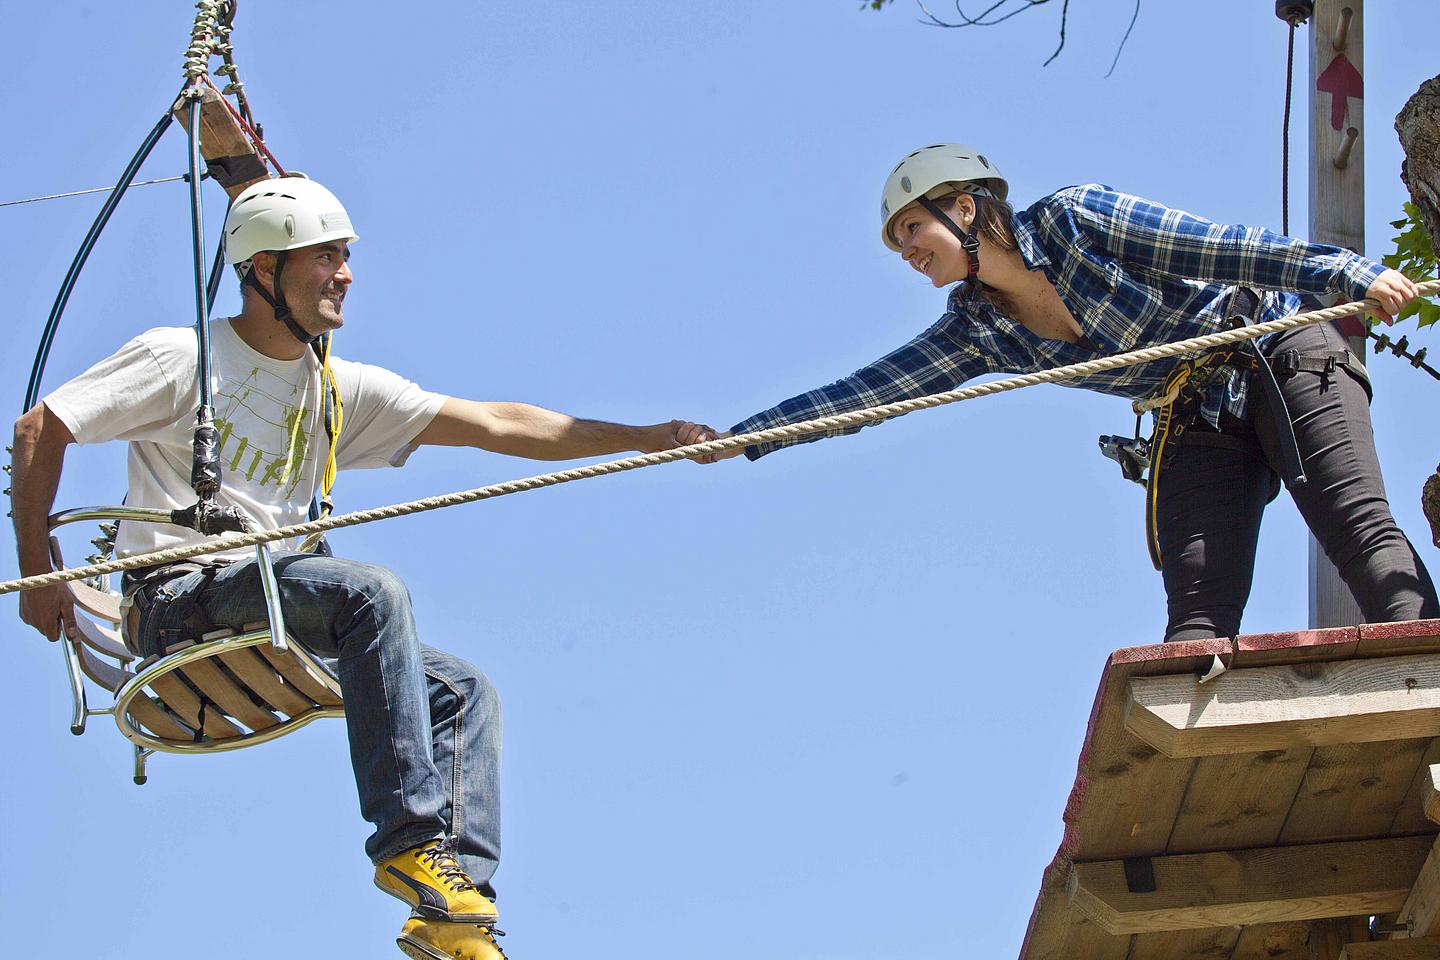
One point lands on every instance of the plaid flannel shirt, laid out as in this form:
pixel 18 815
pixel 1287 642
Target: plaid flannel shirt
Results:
pixel 1134 273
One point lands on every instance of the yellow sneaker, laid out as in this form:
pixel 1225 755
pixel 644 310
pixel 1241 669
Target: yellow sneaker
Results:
pixel 422 939
pixel 430 880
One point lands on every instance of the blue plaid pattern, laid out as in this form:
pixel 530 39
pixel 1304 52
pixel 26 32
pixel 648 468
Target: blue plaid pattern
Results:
pixel 1134 273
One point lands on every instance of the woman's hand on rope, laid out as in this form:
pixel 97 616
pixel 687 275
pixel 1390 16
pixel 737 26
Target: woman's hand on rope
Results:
pixel 47 608
pixel 699 433
pixel 1392 290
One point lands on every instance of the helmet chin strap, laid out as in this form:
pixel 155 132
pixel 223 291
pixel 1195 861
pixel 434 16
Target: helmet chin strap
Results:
pixel 969 241
pixel 277 301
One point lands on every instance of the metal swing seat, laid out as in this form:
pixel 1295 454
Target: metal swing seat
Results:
pixel 218 691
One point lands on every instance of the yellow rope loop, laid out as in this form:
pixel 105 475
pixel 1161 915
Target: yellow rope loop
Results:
pixel 789 431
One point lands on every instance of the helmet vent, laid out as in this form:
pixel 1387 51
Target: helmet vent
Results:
pixel 905 184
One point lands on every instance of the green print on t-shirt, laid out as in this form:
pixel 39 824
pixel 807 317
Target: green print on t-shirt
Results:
pixel 262 430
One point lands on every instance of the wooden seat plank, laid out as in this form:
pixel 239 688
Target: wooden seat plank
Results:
pixel 157 721
pixel 103 605
pixel 103 639
pixel 222 691
pixel 108 675
pixel 183 701
pixel 298 675
pixel 260 677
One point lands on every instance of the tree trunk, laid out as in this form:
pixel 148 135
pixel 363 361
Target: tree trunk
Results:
pixel 1430 503
pixel 1418 124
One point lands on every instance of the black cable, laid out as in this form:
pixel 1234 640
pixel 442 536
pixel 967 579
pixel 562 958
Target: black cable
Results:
pixel 1285 138
pixel 47 337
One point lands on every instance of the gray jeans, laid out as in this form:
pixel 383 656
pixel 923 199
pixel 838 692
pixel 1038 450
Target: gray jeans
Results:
pixel 1212 496
pixel 424 726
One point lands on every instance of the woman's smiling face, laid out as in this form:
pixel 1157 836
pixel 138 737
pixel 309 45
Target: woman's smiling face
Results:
pixel 929 246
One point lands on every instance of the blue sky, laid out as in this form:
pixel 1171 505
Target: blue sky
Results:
pixel 823 706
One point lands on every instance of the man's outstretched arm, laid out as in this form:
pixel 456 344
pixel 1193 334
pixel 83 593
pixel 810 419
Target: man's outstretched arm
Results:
pixel 40 442
pixel 523 430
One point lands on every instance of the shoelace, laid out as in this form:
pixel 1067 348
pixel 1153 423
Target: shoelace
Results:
pixel 495 932
pixel 441 858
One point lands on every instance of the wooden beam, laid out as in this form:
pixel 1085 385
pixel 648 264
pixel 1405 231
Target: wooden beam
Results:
pixel 1392 950
pixel 1337 210
pixel 1432 793
pixel 1277 708
pixel 1421 911
pixel 1268 885
pixel 229 155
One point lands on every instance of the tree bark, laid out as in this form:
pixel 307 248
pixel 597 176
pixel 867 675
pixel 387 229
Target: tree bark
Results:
pixel 1418 124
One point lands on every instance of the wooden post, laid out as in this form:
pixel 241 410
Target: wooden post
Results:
pixel 1329 937
pixel 1337 208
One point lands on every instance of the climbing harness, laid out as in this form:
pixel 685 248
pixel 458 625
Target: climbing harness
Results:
pixel 857 418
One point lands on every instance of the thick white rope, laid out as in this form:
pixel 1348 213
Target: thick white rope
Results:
pixel 787 432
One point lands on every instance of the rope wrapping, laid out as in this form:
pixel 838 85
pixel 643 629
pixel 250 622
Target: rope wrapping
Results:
pixel 786 432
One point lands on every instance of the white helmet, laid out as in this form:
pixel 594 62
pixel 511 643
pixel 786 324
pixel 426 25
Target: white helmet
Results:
pixel 935 172
pixel 284 213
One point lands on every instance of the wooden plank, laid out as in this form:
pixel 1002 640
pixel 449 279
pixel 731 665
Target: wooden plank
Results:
pixel 256 674
pixel 180 698
pixel 1411 816
pixel 1238 801
pixel 106 674
pixel 1421 910
pixel 101 604
pixel 315 687
pixel 1392 950
pixel 1057 932
pixel 1432 792
pixel 1195 891
pixel 1329 937
pixel 1215 944
pixel 1393 639
pixel 225 694
pixel 1273 941
pixel 1270 649
pixel 103 639
pixel 1277 708
pixel 220 136
pixel 1352 792
pixel 1126 793
pixel 155 720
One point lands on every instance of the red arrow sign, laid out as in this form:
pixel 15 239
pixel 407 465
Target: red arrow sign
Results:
pixel 1341 80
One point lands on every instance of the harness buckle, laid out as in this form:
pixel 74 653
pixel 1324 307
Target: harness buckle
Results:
pixel 1286 363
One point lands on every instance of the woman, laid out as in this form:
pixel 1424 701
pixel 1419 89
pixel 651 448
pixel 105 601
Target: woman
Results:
pixel 1090 272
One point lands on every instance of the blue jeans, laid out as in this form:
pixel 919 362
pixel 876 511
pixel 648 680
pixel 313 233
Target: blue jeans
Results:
pixel 424 726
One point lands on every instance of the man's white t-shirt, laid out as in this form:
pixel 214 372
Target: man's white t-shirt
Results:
pixel 268 414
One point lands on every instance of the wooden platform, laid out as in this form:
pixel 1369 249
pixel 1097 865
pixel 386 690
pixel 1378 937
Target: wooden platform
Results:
pixel 1265 813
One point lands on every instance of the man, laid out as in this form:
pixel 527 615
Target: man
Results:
pixel 411 711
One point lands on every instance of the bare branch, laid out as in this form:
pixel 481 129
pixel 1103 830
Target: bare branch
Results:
pixel 1133 17
pixel 979 21
pixel 994 14
pixel 1064 15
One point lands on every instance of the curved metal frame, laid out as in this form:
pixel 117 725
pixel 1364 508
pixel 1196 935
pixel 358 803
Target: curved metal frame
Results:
pixel 134 687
